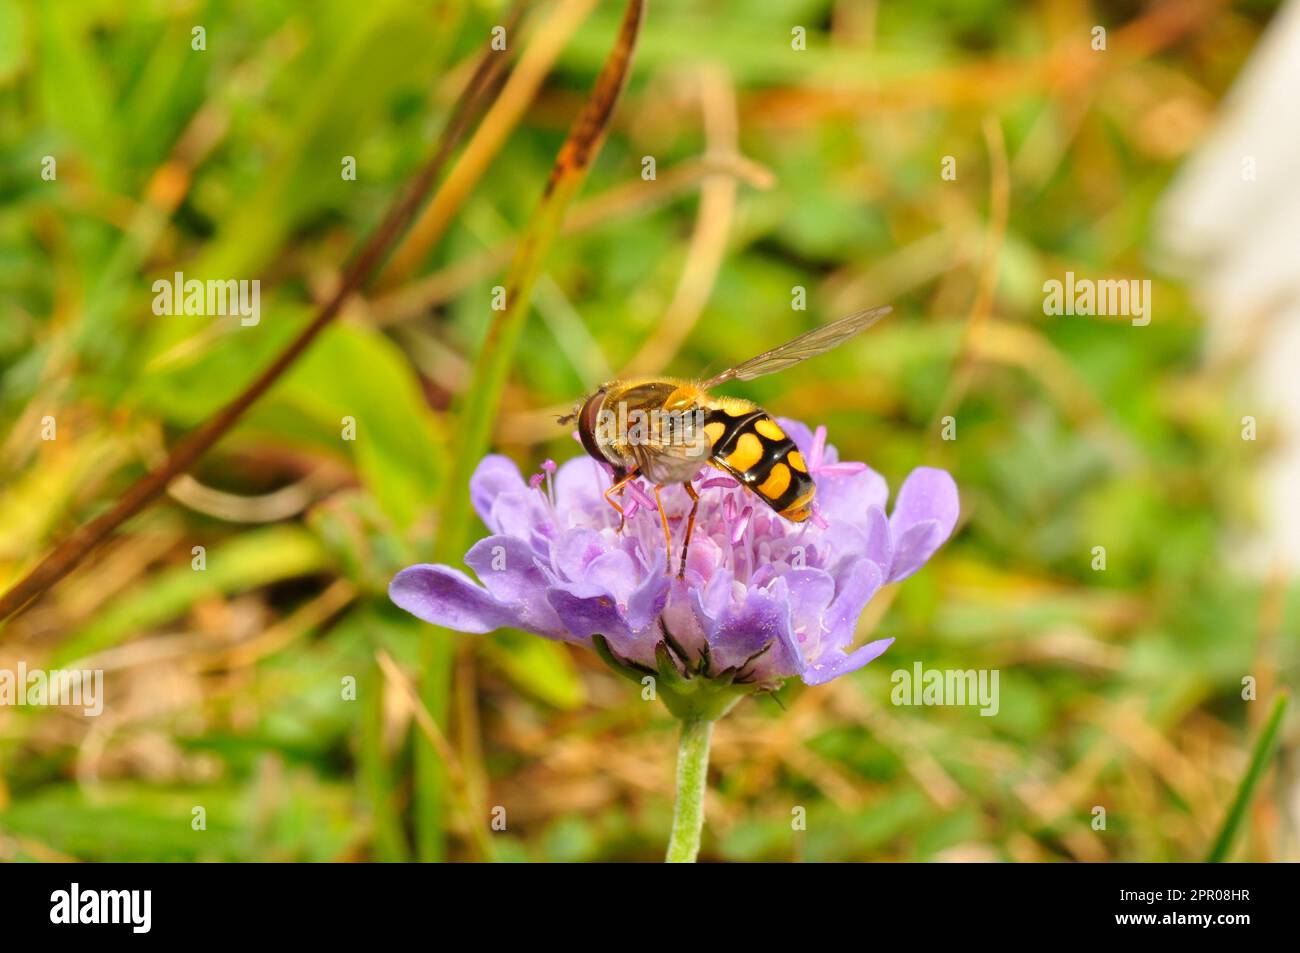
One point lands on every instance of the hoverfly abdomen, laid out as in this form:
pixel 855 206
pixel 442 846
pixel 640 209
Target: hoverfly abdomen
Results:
pixel 752 447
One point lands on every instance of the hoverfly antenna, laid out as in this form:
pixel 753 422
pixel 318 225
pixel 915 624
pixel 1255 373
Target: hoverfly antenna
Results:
pixel 571 417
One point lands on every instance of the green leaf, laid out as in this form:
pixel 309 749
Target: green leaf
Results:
pixel 75 89
pixel 1259 759
pixel 357 372
pixel 297 818
pixel 351 371
pixel 543 669
pixel 253 559
pixel 13 37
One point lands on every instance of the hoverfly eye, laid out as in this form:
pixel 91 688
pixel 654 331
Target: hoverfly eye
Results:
pixel 588 417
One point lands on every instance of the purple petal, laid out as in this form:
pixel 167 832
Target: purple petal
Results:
pixel 446 597
pixel 703 559
pixel 494 476
pixel 615 572
pixel 880 546
pixel 681 617
pixel 846 498
pixel 924 515
pixel 927 494
pixel 857 582
pixel 647 600
pixel 520 514
pixel 809 592
pixel 589 613
pixel 712 600
pixel 914 547
pixel 762 621
pixel 508 568
pixel 818 455
pixel 574 551
pixel 580 485
pixel 836 663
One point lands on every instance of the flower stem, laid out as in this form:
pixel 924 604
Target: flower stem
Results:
pixel 692 780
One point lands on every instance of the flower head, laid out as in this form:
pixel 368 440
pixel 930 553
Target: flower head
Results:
pixel 760 600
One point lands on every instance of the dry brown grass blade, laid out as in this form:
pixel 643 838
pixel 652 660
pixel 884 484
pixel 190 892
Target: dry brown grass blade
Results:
pixel 982 306
pixel 508 108
pixel 65 557
pixel 496 355
pixel 414 299
pixel 495 360
pixel 472 814
pixel 985 82
pixel 708 242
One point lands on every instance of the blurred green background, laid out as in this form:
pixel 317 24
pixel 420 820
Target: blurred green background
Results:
pixel 774 169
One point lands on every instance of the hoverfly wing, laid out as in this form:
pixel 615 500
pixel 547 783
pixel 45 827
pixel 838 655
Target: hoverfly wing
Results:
pixel 817 341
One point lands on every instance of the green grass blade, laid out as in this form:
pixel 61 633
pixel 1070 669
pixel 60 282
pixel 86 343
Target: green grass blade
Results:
pixel 483 404
pixel 376 775
pixel 1259 759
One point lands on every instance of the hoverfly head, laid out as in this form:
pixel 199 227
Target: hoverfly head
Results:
pixel 587 415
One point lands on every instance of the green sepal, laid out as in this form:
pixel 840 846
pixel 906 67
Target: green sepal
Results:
pixel 688 695
pixel 629 670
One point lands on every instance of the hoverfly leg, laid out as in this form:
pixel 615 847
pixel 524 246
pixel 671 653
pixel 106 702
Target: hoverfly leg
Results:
pixel 690 527
pixel 668 536
pixel 618 488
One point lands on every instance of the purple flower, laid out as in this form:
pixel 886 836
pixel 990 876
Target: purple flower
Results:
pixel 762 599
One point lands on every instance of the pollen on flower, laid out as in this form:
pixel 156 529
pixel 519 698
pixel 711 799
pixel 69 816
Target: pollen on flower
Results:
pixel 761 598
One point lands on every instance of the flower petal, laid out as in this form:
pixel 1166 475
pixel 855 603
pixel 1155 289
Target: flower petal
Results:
pixel 520 514
pixel 681 619
pixel 924 515
pixel 880 544
pixel 704 559
pixel 857 582
pixel 447 597
pixel 646 602
pixel 761 622
pixel 590 612
pixel 493 476
pixel 916 546
pixel 846 497
pixel 508 568
pixel 580 485
pixel 574 550
pixel 615 572
pixel 836 663
pixel 809 592
pixel 927 494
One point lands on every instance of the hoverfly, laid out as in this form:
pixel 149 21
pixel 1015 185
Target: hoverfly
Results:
pixel 664 429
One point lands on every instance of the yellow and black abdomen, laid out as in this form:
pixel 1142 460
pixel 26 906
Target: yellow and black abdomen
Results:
pixel 752 447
